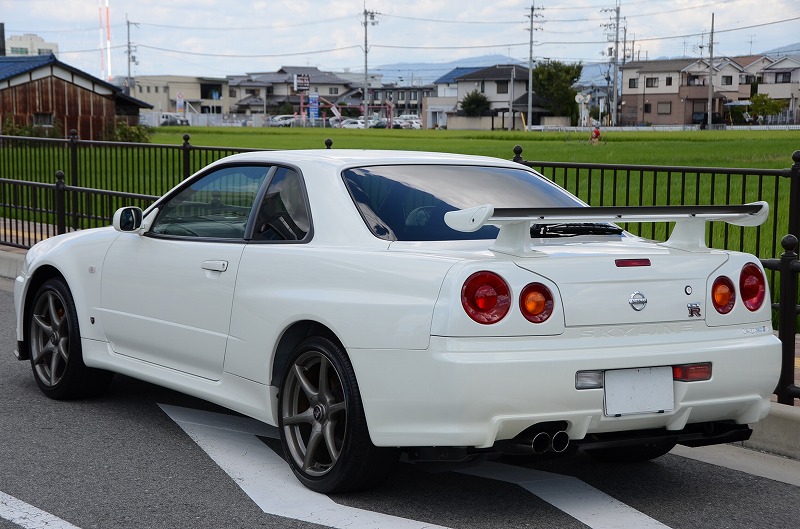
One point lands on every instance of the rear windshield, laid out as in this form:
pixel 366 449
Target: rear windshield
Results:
pixel 408 202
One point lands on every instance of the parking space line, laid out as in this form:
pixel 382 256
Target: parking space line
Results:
pixel 264 476
pixel 29 517
pixel 571 495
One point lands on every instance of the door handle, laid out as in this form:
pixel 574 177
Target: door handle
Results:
pixel 215 266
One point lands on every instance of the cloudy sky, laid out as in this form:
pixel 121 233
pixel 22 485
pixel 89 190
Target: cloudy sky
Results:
pixel 216 38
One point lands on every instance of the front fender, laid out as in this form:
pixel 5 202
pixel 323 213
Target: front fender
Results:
pixel 78 258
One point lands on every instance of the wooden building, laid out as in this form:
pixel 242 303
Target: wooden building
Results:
pixel 43 91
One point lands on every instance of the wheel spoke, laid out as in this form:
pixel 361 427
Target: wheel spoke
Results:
pixel 310 391
pixel 40 355
pixel 54 363
pixel 324 390
pixel 337 408
pixel 329 433
pixel 306 417
pixel 53 309
pixel 44 326
pixel 311 448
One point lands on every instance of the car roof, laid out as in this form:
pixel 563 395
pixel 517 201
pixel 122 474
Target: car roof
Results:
pixel 356 157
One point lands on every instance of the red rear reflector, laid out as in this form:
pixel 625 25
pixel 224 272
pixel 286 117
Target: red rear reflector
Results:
pixel 624 263
pixel 692 372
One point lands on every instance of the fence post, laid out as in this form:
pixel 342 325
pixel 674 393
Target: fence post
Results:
pixel 187 159
pixel 517 154
pixel 793 173
pixel 73 167
pixel 787 318
pixel 61 212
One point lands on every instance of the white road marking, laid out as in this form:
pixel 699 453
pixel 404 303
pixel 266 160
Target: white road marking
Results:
pixel 571 495
pixel 266 478
pixel 28 516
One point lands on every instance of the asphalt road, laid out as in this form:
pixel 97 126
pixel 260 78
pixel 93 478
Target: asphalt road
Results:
pixel 126 461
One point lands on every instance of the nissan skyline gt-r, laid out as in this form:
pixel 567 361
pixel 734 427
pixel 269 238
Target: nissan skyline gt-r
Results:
pixel 369 303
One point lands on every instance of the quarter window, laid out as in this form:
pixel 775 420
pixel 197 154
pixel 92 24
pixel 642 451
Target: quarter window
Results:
pixel 283 212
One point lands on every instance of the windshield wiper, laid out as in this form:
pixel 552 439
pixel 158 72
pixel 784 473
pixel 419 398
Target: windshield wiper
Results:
pixel 572 229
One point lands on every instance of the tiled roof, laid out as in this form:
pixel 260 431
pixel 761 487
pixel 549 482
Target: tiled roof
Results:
pixel 451 76
pixel 14 66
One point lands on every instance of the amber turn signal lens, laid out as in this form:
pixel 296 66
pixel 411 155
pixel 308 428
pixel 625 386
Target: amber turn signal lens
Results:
pixel 536 302
pixel 723 295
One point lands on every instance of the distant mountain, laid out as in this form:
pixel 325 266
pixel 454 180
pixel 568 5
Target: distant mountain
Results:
pixel 791 49
pixel 427 73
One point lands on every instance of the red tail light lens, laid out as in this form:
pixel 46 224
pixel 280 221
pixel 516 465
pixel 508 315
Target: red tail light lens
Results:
pixel 752 286
pixel 692 372
pixel 723 295
pixel 486 297
pixel 536 302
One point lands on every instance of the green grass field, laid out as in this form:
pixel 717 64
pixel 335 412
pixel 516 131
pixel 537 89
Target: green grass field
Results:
pixel 746 149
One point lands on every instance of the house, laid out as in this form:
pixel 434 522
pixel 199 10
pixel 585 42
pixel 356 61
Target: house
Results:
pixel 506 88
pixel 446 99
pixel 40 90
pixel 183 94
pixel 266 91
pixel 676 91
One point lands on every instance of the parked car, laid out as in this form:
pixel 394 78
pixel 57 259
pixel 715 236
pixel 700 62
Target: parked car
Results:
pixel 353 124
pixel 284 120
pixel 172 119
pixel 373 302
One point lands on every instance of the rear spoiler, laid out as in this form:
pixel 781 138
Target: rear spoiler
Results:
pixel 688 234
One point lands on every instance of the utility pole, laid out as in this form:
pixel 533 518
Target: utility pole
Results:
pixel 711 73
pixel 369 19
pixel 530 66
pixel 615 59
pixel 131 57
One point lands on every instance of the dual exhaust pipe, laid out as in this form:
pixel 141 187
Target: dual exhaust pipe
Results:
pixel 544 441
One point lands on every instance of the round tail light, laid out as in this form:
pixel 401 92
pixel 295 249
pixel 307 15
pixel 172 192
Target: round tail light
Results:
pixel 723 295
pixel 536 302
pixel 752 286
pixel 486 297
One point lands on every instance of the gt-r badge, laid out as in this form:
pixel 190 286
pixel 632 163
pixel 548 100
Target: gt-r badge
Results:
pixel 637 301
pixel 694 310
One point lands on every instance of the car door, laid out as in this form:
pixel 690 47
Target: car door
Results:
pixel 167 294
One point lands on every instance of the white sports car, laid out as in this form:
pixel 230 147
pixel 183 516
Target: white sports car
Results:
pixel 369 303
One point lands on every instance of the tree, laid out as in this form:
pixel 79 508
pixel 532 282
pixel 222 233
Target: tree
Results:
pixel 475 103
pixel 553 81
pixel 763 105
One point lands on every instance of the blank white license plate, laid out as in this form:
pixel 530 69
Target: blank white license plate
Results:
pixel 641 390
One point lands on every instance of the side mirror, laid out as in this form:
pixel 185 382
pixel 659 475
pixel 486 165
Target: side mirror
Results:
pixel 128 219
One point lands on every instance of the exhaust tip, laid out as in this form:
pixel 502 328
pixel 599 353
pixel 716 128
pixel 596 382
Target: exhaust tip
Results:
pixel 540 442
pixel 559 441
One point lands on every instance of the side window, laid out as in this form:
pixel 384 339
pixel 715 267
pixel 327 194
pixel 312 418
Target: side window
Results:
pixel 283 212
pixel 215 206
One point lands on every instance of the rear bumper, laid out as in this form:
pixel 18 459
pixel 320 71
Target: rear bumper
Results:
pixel 474 392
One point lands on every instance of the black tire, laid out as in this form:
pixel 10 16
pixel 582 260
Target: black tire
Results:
pixel 54 344
pixel 322 424
pixel 632 454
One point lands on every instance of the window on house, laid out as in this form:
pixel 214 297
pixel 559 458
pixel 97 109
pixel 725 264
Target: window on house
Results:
pixel 232 92
pixel 727 80
pixel 668 81
pixel 210 91
pixel 783 77
pixel 502 87
pixel 401 95
pixel 43 119
pixel 664 107
pixel 647 108
pixel 483 87
pixel 334 90
pixel 148 89
pixel 19 51
pixel 633 83
pixel 651 82
pixel 156 89
pixel 140 88
pixel 44 51
pixel 413 95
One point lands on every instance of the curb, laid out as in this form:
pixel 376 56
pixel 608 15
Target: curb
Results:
pixel 11 262
pixel 778 433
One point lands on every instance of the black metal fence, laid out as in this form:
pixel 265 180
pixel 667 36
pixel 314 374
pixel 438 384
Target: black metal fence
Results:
pixel 103 176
